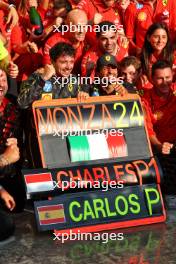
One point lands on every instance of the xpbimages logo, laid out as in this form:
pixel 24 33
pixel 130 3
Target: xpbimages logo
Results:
pixel 106 132
pixel 81 80
pixel 86 28
pixel 104 185
pixel 81 236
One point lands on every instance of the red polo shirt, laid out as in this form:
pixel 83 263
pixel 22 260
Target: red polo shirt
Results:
pixel 138 24
pixel 124 13
pixel 128 16
pixel 161 114
pixel 27 62
pixel 46 16
pixel 91 7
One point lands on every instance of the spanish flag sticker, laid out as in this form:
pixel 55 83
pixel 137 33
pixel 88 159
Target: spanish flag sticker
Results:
pixel 142 16
pixel 51 214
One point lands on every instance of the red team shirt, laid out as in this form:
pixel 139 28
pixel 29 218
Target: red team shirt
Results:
pixel 91 7
pixel 46 16
pixel 161 117
pixel 27 62
pixel 138 24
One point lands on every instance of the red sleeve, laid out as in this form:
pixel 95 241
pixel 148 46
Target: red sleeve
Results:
pixel 2 21
pixel 42 12
pixel 88 8
pixel 122 53
pixel 88 64
pixel 148 117
pixel 174 66
pixel 129 21
pixel 148 114
pixel 82 5
pixel 18 37
pixel 46 56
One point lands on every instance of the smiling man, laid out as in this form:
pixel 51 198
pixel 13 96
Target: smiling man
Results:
pixel 109 83
pixel 107 70
pixel 107 40
pixel 54 81
pixel 160 106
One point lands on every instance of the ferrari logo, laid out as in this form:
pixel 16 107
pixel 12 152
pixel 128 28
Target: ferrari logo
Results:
pixel 164 2
pixel 140 92
pixel 70 87
pixel 47 96
pixel 158 115
pixel 107 58
pixel 142 16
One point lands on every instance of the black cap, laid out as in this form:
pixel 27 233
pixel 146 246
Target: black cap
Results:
pixel 105 60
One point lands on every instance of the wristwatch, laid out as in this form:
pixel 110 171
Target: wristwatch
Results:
pixel 11 5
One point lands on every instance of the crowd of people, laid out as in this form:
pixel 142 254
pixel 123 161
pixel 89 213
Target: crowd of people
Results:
pixel 129 41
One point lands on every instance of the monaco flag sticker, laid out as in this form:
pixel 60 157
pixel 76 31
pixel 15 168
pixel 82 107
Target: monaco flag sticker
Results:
pixel 40 182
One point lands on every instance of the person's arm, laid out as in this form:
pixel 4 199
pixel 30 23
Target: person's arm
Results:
pixel 82 96
pixel 88 65
pixel 11 153
pixel 129 23
pixel 7 198
pixel 3 161
pixel 30 90
pixel 19 42
pixel 9 67
pixel 5 64
pixel 120 90
pixel 12 18
pixel 164 147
